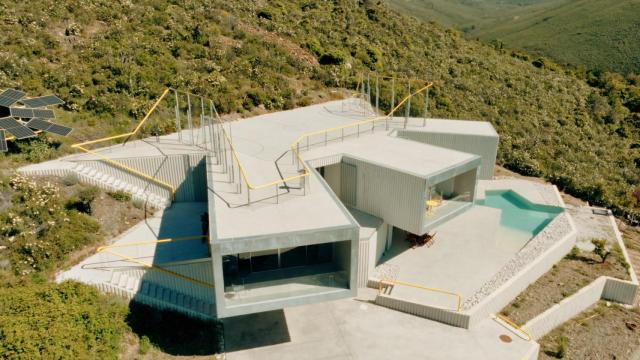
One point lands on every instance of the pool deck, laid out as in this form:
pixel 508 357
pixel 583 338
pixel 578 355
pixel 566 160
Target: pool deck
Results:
pixel 468 250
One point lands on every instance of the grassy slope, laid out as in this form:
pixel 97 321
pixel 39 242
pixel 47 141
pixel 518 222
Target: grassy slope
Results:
pixel 597 33
pixel 121 56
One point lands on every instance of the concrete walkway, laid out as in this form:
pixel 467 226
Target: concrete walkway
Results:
pixel 181 219
pixel 356 329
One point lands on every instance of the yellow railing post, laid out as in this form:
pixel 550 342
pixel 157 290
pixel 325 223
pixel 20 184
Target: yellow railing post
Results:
pixel 421 287
pixel 514 326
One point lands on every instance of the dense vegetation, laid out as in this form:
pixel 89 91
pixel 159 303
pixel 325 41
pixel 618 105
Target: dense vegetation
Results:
pixel 601 34
pixel 40 227
pixel 108 60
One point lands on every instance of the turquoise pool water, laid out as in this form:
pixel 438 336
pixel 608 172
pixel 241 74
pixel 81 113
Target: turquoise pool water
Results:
pixel 519 216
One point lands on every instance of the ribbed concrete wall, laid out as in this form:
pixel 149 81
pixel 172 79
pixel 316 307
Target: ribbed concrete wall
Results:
pixel 457 319
pixel 363 262
pixel 200 270
pixel 396 197
pixel 621 291
pixel 484 146
pixel 186 172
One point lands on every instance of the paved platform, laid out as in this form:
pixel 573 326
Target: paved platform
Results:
pixel 357 329
pixel 468 250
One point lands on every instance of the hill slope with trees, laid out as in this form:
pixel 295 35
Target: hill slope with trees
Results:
pixel 109 60
pixel 601 34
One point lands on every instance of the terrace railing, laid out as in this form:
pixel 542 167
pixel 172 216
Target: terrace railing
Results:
pixel 198 116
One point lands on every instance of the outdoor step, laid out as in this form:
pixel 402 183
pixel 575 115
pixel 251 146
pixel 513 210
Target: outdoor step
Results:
pixel 123 281
pixel 115 277
pixel 132 283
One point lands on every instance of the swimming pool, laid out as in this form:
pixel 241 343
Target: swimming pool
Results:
pixel 520 219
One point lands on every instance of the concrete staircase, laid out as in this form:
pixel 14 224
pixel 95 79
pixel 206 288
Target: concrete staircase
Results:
pixel 91 175
pixel 132 285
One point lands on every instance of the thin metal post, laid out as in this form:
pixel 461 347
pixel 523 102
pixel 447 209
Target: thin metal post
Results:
pixel 362 93
pixel 276 186
pixel 426 107
pixel 325 138
pixel 368 89
pixel 393 95
pixel 178 125
pixel 358 133
pixel 342 134
pixel 407 108
pixel 189 120
pixel 204 130
pixel 377 96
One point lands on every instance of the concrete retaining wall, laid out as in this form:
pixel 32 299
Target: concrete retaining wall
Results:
pixel 457 319
pixel 602 288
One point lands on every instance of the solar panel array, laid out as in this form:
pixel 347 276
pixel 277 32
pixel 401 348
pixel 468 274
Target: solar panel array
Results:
pixel 3 142
pixel 42 101
pixel 31 111
pixel 59 130
pixel 13 127
pixel 10 97
pixel 39 124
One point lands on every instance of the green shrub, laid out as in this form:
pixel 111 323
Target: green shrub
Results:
pixel 82 200
pixel 563 346
pixel 120 195
pixel 145 345
pixel 70 179
pixel 332 57
pixel 59 321
pixel 600 249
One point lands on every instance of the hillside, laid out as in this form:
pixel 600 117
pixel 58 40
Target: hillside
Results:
pixel 109 60
pixel 597 33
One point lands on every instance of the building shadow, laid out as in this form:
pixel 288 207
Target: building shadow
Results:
pixel 174 333
pixel 255 330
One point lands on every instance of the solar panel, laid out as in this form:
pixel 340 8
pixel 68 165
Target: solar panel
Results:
pixel 22 112
pixel 44 113
pixel 39 124
pixel 10 97
pixel 21 132
pixel 6 123
pixel 3 142
pixel 42 101
pixel 59 130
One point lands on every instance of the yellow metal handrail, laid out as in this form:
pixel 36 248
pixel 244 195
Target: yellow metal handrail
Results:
pixel 107 249
pixel 296 144
pixel 128 135
pixel 421 287
pixel 514 326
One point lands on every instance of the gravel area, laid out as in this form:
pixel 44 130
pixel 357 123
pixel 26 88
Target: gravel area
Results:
pixel 590 226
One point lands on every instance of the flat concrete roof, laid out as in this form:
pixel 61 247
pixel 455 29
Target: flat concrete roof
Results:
pixel 448 126
pixel 406 156
pixel 318 209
